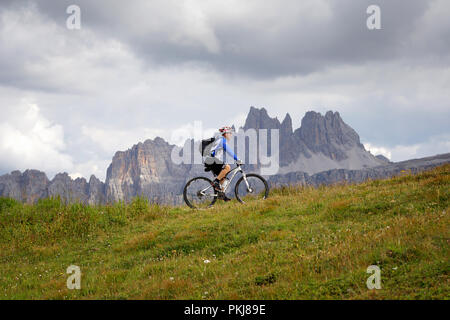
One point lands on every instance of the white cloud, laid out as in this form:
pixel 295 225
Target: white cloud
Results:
pixel 76 175
pixel 434 145
pixel 112 140
pixel 378 150
pixel 94 166
pixel 197 27
pixel 41 54
pixel 29 141
pixel 196 130
pixel 238 120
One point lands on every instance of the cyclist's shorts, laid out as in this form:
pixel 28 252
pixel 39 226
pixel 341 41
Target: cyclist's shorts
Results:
pixel 215 167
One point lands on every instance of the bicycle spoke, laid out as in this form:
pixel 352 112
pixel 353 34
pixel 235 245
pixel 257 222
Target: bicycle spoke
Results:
pixel 256 189
pixel 199 193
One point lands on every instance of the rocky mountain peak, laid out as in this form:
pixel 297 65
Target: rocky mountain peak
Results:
pixel 383 158
pixel 259 119
pixel 286 125
pixel 322 135
pixel 16 173
pixel 317 130
pixel 142 170
pixel 158 141
pixel 93 179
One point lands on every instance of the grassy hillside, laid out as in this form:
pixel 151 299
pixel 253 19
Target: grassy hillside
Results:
pixel 301 243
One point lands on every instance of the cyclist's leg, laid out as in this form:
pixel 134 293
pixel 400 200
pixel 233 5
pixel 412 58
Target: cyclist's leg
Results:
pixel 220 169
pixel 217 168
pixel 223 173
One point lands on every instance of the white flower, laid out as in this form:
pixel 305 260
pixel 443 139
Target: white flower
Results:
pixel 171 278
pixel 206 261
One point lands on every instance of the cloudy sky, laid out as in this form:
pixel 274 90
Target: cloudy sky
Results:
pixel 70 99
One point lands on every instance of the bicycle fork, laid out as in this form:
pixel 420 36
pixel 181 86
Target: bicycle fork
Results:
pixel 246 182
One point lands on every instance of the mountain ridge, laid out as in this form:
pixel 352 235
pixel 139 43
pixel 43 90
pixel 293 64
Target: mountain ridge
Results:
pixel 323 149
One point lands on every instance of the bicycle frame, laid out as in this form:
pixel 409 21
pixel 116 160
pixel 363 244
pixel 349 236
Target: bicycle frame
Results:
pixel 233 174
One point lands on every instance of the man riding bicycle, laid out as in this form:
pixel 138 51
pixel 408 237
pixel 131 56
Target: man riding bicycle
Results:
pixel 200 192
pixel 215 162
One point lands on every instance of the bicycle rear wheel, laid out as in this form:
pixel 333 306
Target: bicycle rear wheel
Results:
pixel 199 193
pixel 257 188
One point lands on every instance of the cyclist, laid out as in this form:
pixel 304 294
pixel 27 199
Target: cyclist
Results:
pixel 215 163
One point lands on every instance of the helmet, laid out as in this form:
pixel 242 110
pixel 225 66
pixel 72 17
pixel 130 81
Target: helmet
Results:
pixel 224 130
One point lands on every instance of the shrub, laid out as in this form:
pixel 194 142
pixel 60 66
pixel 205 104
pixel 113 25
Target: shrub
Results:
pixel 51 204
pixel 139 205
pixel 8 203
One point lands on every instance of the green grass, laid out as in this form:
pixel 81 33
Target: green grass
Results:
pixel 301 243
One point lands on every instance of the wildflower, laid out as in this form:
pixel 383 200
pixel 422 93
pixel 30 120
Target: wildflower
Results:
pixel 171 279
pixel 206 261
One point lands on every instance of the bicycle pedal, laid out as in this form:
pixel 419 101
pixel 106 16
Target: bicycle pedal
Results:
pixel 221 196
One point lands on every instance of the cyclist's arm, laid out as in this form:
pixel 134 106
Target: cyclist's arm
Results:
pixel 228 150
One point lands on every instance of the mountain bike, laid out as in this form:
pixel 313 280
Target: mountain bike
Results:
pixel 199 192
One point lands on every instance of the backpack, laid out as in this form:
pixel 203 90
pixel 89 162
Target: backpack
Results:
pixel 205 146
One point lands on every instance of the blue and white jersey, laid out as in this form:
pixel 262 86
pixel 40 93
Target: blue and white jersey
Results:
pixel 220 145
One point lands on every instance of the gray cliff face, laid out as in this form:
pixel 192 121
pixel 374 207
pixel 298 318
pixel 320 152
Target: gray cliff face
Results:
pixel 33 185
pixel 70 190
pixel 323 150
pixel 289 146
pixel 259 119
pixel 145 170
pixel 29 186
pixel 97 191
pixel 383 158
pixel 320 143
pixel 327 134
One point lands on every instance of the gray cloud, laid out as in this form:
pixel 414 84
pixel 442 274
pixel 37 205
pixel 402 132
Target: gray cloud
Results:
pixel 260 39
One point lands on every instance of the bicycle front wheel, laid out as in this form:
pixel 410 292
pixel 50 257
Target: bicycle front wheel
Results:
pixel 255 188
pixel 199 193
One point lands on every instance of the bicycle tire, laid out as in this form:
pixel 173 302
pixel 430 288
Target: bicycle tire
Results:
pixel 185 197
pixel 236 188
